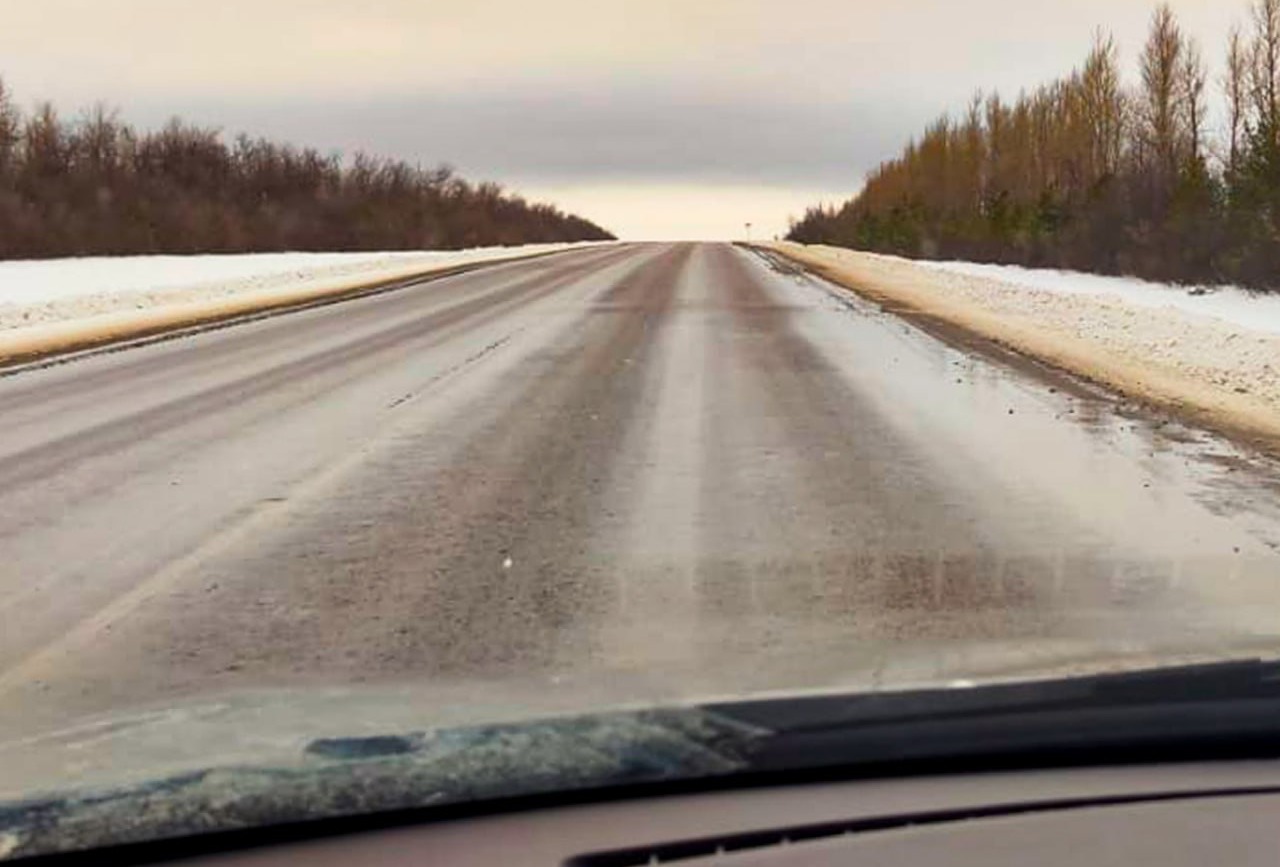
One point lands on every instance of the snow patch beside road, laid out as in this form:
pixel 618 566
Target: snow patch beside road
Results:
pixel 40 292
pixel 1230 304
pixel 1215 357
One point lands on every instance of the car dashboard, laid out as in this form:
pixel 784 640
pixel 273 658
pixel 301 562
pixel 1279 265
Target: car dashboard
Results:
pixel 1175 815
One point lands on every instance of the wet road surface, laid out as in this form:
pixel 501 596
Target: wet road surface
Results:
pixel 623 474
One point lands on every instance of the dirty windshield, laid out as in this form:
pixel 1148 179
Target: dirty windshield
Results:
pixel 371 369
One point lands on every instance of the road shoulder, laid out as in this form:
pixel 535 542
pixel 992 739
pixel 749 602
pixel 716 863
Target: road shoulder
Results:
pixel 42 343
pixel 1087 344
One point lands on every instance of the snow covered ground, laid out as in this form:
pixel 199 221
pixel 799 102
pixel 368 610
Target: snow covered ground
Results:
pixel 1250 310
pixel 1215 355
pixel 41 292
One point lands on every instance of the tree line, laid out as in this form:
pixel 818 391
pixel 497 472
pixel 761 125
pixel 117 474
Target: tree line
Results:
pixel 1089 173
pixel 94 185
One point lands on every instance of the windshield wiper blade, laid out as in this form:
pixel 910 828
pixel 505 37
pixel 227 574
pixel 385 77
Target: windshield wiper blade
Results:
pixel 1245 678
pixel 1183 712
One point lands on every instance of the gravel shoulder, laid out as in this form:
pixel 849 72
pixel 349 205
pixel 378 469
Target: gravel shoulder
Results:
pixel 1203 369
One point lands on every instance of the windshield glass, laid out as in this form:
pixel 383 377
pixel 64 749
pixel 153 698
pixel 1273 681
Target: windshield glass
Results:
pixel 375 369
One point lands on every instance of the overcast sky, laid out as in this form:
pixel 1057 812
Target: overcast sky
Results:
pixel 658 119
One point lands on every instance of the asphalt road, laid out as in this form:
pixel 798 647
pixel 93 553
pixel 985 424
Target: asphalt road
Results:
pixel 625 473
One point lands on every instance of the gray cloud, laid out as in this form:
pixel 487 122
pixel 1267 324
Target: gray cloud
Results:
pixel 603 136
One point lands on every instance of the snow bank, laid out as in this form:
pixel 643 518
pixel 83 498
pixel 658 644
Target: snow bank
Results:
pixel 39 292
pixel 1229 304
pixel 1214 357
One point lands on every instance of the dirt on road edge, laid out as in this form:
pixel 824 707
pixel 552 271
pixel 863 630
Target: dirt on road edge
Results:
pixel 1242 417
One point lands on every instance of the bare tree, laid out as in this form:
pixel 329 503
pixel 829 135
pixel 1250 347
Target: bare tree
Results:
pixel 1103 104
pixel 1264 77
pixel 1235 84
pixel 97 143
pixel 1162 65
pixel 1194 78
pixel 10 130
